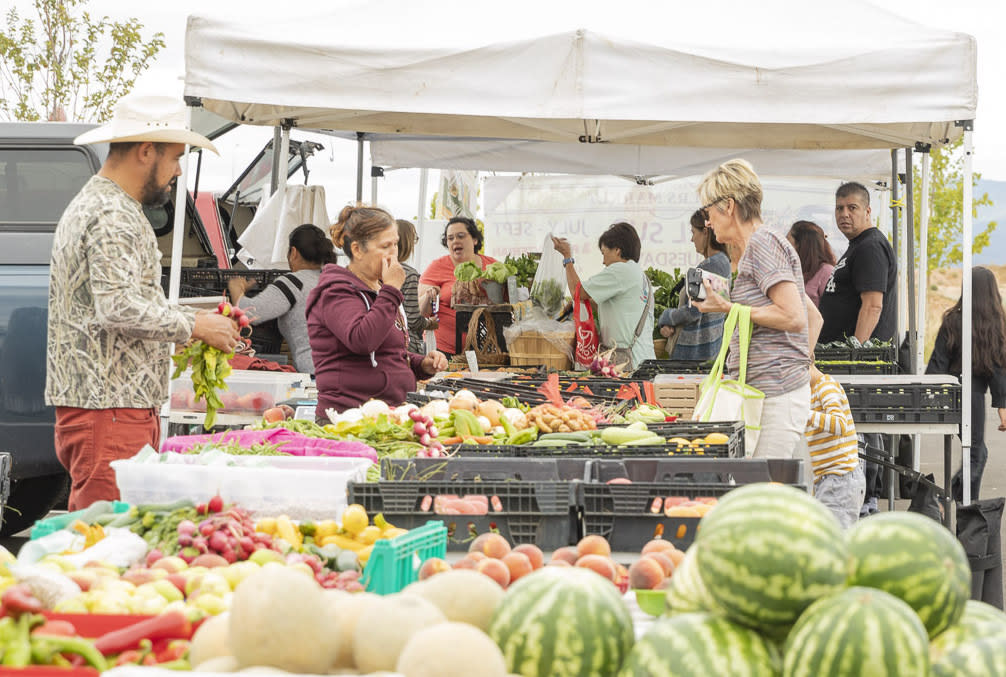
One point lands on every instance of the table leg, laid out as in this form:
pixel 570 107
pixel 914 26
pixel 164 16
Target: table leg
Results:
pixel 947 475
pixel 893 481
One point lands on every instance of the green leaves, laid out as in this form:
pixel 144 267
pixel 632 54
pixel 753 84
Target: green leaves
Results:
pixel 525 266
pixel 210 367
pixel 467 271
pixel 52 68
pixel 664 296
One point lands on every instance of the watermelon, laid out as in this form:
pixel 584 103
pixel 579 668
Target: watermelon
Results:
pixel 686 592
pixel 980 620
pixel 859 631
pixel 984 657
pixel 563 622
pixel 766 552
pixel 916 559
pixel 701 645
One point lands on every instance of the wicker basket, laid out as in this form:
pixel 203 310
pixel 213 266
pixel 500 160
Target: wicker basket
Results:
pixel 533 348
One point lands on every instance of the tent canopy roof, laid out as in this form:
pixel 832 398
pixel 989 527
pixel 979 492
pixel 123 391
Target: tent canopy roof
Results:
pixel 722 74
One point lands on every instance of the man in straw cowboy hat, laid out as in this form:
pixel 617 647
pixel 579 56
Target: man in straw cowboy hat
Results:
pixel 110 326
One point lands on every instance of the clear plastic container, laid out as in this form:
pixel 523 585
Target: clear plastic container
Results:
pixel 302 487
pixel 248 392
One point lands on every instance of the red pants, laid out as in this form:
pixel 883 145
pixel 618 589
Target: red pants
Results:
pixel 87 440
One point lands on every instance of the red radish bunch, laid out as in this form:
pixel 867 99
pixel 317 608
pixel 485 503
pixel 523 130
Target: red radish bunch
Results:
pixel 426 432
pixel 602 367
pixel 227 310
pixel 346 580
pixel 230 534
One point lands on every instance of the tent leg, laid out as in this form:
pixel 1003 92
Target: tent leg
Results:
pixel 359 166
pixel 277 141
pixel 923 289
pixel 966 317
pixel 913 330
pixel 177 233
pixel 895 234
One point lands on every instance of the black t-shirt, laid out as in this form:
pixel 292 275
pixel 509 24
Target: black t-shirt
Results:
pixel 867 265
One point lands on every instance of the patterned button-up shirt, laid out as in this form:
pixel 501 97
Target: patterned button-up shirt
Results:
pixel 110 326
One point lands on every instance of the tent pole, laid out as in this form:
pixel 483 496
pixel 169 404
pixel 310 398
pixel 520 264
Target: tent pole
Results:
pixel 923 287
pixel 284 162
pixel 177 232
pixel 895 222
pixel 359 166
pixel 966 377
pixel 913 330
pixel 424 174
pixel 277 140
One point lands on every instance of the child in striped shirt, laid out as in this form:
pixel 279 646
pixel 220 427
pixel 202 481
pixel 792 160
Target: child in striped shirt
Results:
pixel 839 481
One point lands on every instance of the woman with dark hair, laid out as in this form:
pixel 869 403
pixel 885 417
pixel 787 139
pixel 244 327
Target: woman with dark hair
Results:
pixel 284 298
pixel 816 258
pixel 463 242
pixel 988 364
pixel 621 291
pixel 699 334
pixel 407 239
pixel 356 322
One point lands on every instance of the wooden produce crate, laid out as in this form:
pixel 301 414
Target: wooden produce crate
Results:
pixel 677 393
pixel 535 348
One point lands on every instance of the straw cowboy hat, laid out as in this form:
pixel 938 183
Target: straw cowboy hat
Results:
pixel 161 119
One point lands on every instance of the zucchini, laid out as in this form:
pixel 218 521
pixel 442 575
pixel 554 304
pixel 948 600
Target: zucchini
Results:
pixel 653 440
pixel 583 437
pixel 619 436
pixel 552 443
pixel 165 507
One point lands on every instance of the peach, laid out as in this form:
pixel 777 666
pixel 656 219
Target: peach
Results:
pixel 593 545
pixel 559 563
pixel 599 563
pixel 665 562
pixel 567 554
pixel 495 546
pixel 518 563
pixel 432 566
pixel 466 563
pixel 476 556
pixel 533 553
pixel 646 574
pixel 676 556
pixel 657 545
pixel 496 570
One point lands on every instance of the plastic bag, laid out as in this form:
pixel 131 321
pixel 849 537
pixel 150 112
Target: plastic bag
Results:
pixel 549 287
pixel 537 325
pixel 587 340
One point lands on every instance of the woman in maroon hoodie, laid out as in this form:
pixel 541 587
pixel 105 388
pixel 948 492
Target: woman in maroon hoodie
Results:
pixel 355 320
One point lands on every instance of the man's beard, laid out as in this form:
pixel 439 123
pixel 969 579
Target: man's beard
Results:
pixel 153 194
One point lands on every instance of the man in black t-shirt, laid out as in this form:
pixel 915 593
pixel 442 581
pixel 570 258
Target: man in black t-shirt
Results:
pixel 860 299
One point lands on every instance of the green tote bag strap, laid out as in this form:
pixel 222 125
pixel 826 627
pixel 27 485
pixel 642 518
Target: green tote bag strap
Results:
pixel 728 331
pixel 744 330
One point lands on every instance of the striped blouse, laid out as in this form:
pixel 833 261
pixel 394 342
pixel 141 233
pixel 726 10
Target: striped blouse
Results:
pixel 831 434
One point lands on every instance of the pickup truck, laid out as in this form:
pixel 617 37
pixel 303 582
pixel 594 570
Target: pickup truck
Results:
pixel 41 170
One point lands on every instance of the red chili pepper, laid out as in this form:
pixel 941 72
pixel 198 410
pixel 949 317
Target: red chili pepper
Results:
pixel 175 650
pixel 172 624
pixel 18 599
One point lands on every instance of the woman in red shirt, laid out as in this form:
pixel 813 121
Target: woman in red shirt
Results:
pixel 355 319
pixel 463 241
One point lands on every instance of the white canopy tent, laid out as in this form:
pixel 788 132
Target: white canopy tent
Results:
pixel 717 74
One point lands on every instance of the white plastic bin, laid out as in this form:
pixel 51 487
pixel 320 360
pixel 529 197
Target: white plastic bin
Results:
pixel 248 392
pixel 302 487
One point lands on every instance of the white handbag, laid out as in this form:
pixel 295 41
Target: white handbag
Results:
pixel 733 400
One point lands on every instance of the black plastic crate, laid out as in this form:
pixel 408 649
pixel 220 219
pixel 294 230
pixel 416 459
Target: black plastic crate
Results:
pixel 842 354
pixel 734 430
pixel 481 469
pixel 587 451
pixel 609 388
pixel 850 354
pixel 203 278
pixel 650 368
pixel 542 513
pixel 904 403
pixel 631 514
pixel 859 368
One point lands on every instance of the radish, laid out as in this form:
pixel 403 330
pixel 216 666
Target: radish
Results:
pixel 425 439
pixel 419 429
pixel 186 528
pixel 206 528
pixel 416 415
pixel 218 541
pixel 184 540
pixel 215 504
pixel 432 430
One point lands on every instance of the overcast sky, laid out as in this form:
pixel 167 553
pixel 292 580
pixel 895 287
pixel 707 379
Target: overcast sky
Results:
pixel 336 167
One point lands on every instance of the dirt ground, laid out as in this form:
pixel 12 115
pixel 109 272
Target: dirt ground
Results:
pixel 943 290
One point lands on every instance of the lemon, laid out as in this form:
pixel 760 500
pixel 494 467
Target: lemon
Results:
pixel 354 519
pixel 369 535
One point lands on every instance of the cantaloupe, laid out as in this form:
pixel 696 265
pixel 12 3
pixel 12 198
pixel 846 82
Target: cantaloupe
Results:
pixel 343 614
pixel 463 595
pixel 218 664
pixel 385 626
pixel 451 650
pixel 211 639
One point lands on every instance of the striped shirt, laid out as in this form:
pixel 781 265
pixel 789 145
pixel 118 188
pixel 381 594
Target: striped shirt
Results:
pixel 284 300
pixel 778 361
pixel 831 434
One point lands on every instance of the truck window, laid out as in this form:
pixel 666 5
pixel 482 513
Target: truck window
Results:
pixel 37 183
pixel 23 310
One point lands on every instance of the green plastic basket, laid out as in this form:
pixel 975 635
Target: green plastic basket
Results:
pixel 50 525
pixel 395 562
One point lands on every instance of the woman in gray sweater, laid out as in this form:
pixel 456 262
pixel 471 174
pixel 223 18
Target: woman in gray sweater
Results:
pixel 285 297
pixel 698 334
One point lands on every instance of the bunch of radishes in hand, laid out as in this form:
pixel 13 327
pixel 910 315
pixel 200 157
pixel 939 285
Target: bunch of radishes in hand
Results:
pixel 229 534
pixel 602 367
pixel 424 429
pixel 239 316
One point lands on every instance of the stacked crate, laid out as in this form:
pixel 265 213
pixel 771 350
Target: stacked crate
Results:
pixel 677 393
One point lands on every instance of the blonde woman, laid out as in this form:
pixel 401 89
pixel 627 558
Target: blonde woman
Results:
pixel 786 322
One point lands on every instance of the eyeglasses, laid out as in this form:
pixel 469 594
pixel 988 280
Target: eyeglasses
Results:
pixel 705 208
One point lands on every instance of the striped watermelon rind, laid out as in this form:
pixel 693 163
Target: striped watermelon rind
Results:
pixel 686 592
pixel 916 559
pixel 985 657
pixel 859 631
pixel 979 620
pixel 701 645
pixel 766 552
pixel 563 622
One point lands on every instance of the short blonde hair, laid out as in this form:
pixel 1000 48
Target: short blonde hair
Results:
pixel 733 179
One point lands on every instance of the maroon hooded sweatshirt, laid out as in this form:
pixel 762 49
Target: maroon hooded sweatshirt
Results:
pixel 359 352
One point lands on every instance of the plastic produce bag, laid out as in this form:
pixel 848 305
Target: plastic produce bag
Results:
pixel 549 287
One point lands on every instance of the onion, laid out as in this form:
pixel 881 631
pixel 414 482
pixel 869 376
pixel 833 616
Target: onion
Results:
pixel 374 408
pixel 485 423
